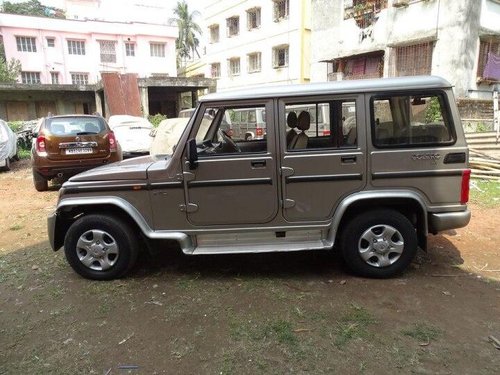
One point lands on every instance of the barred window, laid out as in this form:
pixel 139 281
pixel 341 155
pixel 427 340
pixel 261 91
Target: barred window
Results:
pixel 215 70
pixel 108 51
pixel 280 56
pixel 489 53
pixel 233 25
pixel 54 77
pixel 80 78
pixel 281 9
pixel 254 62
pixel 26 44
pixel 157 49
pixel 76 47
pixel 413 60
pixel 253 18
pixel 30 78
pixel 130 49
pixel 51 42
pixel 234 66
pixel 214 33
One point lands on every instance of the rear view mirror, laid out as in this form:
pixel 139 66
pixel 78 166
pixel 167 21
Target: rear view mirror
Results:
pixel 192 154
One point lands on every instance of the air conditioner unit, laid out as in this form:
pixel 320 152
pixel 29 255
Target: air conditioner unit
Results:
pixel 400 3
pixel 335 76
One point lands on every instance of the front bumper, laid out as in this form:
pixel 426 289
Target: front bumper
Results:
pixel 441 221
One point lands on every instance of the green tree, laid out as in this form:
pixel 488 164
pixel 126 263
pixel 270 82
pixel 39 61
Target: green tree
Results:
pixel 32 8
pixel 9 70
pixel 187 43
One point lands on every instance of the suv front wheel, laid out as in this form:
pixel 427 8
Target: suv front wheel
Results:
pixel 101 247
pixel 379 243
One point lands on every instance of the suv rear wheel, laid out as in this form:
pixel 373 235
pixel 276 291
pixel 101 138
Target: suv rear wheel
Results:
pixel 41 183
pixel 101 247
pixel 379 243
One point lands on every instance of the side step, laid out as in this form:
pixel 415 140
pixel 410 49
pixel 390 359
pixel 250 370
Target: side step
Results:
pixel 258 242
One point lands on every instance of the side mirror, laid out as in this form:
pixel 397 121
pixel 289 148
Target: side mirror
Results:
pixel 192 154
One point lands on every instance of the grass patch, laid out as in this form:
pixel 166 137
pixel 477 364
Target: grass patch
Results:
pixel 353 325
pixel 23 153
pixel 485 193
pixel 422 332
pixel 16 227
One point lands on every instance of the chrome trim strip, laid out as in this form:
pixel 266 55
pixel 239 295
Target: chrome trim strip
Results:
pixel 231 182
pixel 411 174
pixel 328 177
pixel 166 185
pixel 77 144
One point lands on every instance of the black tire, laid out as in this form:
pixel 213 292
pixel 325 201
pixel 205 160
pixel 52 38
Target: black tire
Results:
pixel 391 255
pixel 41 183
pixel 115 229
pixel 7 165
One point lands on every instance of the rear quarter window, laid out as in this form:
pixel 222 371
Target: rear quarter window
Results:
pixel 411 120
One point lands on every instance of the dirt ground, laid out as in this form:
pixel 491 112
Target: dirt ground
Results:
pixel 245 314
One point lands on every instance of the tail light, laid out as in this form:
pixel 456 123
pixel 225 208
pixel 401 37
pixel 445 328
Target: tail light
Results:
pixel 40 143
pixel 326 132
pixel 464 192
pixel 259 132
pixel 112 142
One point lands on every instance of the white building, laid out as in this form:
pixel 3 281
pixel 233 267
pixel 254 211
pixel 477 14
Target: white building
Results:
pixel 355 39
pixel 255 42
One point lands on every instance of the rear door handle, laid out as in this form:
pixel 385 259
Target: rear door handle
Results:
pixel 351 159
pixel 258 163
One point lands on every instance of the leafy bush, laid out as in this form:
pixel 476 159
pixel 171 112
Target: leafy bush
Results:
pixel 156 119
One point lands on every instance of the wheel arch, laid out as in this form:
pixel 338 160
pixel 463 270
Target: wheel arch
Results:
pixel 409 203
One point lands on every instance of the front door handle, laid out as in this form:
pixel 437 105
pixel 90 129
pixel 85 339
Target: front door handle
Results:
pixel 258 163
pixel 351 159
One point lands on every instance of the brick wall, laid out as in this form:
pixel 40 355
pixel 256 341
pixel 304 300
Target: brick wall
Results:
pixel 476 114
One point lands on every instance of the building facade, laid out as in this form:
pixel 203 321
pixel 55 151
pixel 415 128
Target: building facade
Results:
pixel 60 51
pixel 458 40
pixel 252 43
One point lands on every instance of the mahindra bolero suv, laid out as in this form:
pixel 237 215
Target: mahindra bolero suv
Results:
pixel 367 167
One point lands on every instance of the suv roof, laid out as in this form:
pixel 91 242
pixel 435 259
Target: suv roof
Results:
pixel 363 85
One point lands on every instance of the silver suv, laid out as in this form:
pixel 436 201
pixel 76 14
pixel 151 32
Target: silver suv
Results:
pixel 384 166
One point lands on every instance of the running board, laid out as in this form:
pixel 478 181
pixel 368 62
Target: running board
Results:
pixel 261 248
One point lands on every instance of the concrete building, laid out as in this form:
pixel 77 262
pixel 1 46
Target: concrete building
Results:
pixel 64 60
pixel 255 42
pixel 458 40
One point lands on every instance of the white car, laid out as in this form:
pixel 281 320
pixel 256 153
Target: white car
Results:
pixel 132 133
pixel 8 146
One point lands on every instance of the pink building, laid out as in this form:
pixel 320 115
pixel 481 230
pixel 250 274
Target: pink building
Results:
pixel 61 51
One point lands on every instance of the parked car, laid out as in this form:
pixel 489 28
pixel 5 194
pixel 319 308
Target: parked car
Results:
pixel 66 145
pixel 375 195
pixel 132 133
pixel 8 146
pixel 248 123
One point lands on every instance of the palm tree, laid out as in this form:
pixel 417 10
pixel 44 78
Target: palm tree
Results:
pixel 187 43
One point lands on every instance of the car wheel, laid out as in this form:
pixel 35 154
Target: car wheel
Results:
pixel 41 183
pixel 101 247
pixel 379 243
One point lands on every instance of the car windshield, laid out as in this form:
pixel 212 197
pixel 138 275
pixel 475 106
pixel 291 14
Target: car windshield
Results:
pixel 74 126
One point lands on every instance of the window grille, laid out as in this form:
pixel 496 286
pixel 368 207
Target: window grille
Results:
pixel 108 51
pixel 253 18
pixel 280 56
pixel 157 49
pixel 54 77
pixel 234 67
pixel 488 49
pixel 129 49
pixel 51 42
pixel 254 62
pixel 30 78
pixel 214 33
pixel 413 60
pixel 233 26
pixel 281 9
pixel 26 44
pixel 215 70
pixel 76 47
pixel 80 78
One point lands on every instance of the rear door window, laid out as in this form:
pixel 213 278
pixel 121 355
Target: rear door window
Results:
pixel 74 126
pixel 411 120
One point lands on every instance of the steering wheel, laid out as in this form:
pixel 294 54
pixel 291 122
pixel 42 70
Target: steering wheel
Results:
pixel 228 145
